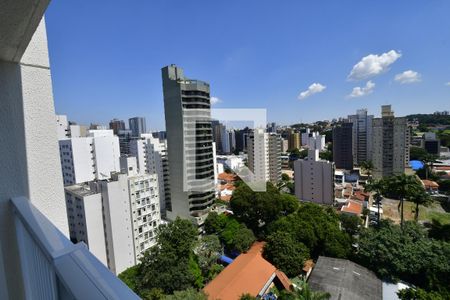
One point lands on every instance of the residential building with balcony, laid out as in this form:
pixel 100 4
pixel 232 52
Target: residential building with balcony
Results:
pixel 37 260
pixel 189 145
pixel 264 156
pixel 151 156
pixel 116 218
pixel 362 136
pixel 390 155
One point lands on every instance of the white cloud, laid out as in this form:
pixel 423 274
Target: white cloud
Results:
pixel 373 64
pixel 362 91
pixel 409 76
pixel 448 83
pixel 215 100
pixel 312 89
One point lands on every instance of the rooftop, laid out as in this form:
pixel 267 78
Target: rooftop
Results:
pixel 81 190
pixel 344 279
pixel 353 207
pixel 249 273
pixel 430 184
pixel 227 176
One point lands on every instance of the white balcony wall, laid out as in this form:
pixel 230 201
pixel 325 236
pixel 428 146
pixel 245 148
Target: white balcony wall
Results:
pixel 29 160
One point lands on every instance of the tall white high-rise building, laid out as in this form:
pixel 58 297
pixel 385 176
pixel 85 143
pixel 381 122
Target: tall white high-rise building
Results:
pixel 116 218
pixel 143 193
pixel 62 127
pixel 305 137
pixel 151 155
pixel 362 136
pixel 87 158
pixel 391 138
pixel 264 156
pixel 316 141
pixel 314 179
pixel 66 130
pixel 189 144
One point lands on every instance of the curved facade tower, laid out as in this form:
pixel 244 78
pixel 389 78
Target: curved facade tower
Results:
pixel 189 145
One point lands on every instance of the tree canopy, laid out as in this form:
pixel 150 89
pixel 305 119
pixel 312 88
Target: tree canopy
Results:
pixel 317 228
pixel 286 253
pixel 408 255
pixel 257 210
pixel 173 265
pixel 232 234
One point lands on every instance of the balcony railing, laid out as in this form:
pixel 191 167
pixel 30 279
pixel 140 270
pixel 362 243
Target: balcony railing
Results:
pixel 55 268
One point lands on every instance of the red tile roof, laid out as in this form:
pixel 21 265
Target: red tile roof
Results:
pixel 430 184
pixel 442 168
pixel 353 207
pixel 225 198
pixel 227 177
pixel 248 273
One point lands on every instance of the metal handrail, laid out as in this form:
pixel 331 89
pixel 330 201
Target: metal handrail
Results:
pixel 71 271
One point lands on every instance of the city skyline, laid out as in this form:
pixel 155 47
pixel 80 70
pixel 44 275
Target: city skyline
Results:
pixel 369 53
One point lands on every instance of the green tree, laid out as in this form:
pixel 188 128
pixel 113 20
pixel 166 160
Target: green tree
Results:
pixel 179 236
pixel 417 153
pixel 326 155
pixel 215 223
pixel 195 271
pixel 170 265
pixel 243 239
pixel 368 167
pixel 232 234
pixel 418 294
pixel 429 160
pixel 402 187
pixel 286 253
pixel 153 294
pixel 297 154
pixel 208 251
pixel 444 185
pixel 247 296
pixel 285 177
pixel 317 228
pixel 350 223
pixel 378 187
pixel 257 210
pixel 406 254
pixel 439 231
pixel 130 277
pixel 421 197
pixel 303 292
pixel 188 294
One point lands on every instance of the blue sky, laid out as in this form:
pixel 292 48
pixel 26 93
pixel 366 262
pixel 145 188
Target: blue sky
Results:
pixel 106 56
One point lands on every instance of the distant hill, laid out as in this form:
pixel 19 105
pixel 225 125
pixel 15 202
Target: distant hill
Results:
pixel 430 119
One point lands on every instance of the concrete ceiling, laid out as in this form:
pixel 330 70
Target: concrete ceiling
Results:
pixel 18 21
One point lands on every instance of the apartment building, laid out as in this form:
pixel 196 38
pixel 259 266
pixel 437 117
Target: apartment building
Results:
pixel 116 218
pixel 137 125
pixel 390 155
pixel 151 156
pixel 342 146
pixel 362 136
pixel 314 179
pixel 189 143
pixel 87 158
pixel 264 156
